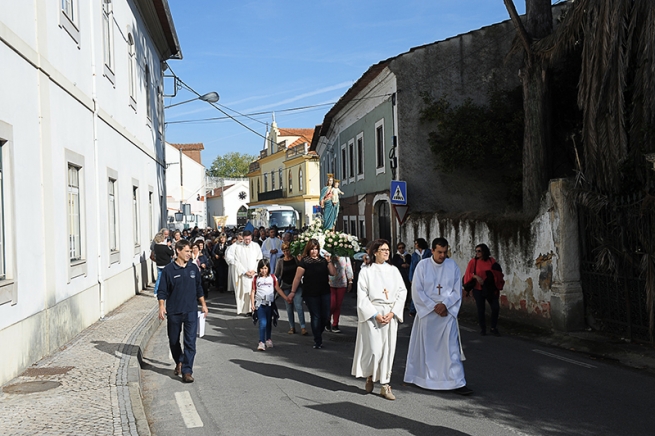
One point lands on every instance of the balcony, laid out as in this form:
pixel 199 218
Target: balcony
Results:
pixel 298 150
pixel 270 195
pixel 254 166
pixel 263 153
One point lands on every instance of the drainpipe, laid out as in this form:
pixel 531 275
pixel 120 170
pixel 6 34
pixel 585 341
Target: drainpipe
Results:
pixel 96 162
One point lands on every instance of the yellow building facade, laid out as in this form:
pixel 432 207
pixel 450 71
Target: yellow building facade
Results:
pixel 286 173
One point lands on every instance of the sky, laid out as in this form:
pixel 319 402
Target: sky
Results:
pixel 265 56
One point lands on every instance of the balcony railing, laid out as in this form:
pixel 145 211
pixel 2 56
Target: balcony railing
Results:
pixel 254 166
pixel 270 195
pixel 298 150
pixel 263 153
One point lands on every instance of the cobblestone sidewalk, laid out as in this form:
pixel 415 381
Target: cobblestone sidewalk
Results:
pixel 92 383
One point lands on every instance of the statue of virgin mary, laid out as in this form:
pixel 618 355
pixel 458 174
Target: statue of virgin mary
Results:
pixel 328 207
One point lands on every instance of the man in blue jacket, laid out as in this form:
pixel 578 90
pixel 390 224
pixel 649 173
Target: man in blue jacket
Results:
pixel 180 291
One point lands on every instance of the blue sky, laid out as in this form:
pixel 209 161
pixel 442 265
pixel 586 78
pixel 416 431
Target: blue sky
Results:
pixel 266 55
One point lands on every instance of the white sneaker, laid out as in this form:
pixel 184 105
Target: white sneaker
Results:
pixel 261 347
pixel 269 344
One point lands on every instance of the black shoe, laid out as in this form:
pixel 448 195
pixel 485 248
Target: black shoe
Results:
pixel 328 329
pixel 463 391
pixel 318 346
pixel 335 329
pixel 495 332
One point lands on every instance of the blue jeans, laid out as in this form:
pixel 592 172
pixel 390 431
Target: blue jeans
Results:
pixel 297 304
pixel 159 270
pixel 174 326
pixel 319 311
pixel 265 315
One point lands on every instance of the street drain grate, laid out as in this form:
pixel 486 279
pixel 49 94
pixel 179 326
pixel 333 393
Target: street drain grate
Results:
pixel 30 387
pixel 342 339
pixel 47 370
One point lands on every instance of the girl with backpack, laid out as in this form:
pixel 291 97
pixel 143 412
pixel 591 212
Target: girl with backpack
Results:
pixel 262 301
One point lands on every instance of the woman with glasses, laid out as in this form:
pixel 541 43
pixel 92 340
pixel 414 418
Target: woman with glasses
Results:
pixel 285 270
pixel 478 273
pixel 381 294
pixel 314 270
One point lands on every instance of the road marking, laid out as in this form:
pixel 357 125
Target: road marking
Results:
pixel 565 359
pixel 188 410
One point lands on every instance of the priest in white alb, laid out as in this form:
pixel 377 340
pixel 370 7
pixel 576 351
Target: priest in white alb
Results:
pixel 245 258
pixel 229 259
pixel 381 294
pixel 272 247
pixel 434 358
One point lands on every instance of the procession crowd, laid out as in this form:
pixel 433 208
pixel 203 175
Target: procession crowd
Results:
pixel 258 267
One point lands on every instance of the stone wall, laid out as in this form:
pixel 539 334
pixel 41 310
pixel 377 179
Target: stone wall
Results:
pixel 540 258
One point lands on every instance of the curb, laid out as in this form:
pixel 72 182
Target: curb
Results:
pixel 128 377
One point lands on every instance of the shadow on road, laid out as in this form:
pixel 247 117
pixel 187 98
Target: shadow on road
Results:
pixel 379 420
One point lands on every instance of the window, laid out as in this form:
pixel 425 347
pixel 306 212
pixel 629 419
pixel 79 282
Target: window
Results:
pixel 353 225
pixel 258 187
pixel 151 213
pixel 135 215
pixel 265 182
pixel 68 8
pixel 300 180
pixel 147 84
pixel 290 181
pixel 345 224
pixel 68 19
pixel 379 147
pixel 362 227
pixel 252 188
pixel 272 180
pixel 279 175
pixel 107 39
pixel 3 266
pixel 351 159
pixel 113 224
pixel 360 156
pixel 344 162
pixel 131 68
pixel 74 217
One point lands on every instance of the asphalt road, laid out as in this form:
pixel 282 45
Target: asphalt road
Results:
pixel 520 387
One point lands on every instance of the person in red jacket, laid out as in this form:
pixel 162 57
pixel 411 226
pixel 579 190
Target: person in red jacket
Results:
pixel 478 272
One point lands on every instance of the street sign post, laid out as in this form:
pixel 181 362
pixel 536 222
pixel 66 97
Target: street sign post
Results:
pixel 402 212
pixel 398 192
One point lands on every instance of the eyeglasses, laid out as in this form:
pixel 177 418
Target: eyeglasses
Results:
pixel 478 251
pixel 383 249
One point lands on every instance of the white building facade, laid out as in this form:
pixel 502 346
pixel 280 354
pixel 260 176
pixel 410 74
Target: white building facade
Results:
pixel 229 200
pixel 81 163
pixel 185 184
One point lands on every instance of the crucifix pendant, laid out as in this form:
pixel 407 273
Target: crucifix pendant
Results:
pixel 386 294
pixel 439 288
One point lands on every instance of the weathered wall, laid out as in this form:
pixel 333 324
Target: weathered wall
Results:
pixel 538 258
pixel 462 67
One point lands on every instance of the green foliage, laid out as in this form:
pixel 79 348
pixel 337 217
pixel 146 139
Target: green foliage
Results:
pixel 473 136
pixel 230 165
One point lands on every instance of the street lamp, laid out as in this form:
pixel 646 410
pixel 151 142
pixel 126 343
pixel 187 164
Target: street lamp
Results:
pixel 210 97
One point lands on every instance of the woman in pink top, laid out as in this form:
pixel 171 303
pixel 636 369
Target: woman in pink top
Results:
pixel 483 290
pixel 339 283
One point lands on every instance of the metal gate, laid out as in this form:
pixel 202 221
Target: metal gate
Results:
pixel 620 235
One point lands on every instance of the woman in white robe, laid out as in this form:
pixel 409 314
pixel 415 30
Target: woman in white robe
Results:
pixel 381 294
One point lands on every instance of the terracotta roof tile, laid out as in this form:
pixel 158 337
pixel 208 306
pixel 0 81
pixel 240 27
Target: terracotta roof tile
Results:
pixel 303 133
pixel 218 192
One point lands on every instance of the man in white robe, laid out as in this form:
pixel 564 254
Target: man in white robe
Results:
pixel 381 294
pixel 434 358
pixel 272 247
pixel 229 259
pixel 245 259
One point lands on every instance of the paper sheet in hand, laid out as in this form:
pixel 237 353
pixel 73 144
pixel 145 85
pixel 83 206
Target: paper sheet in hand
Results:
pixel 201 324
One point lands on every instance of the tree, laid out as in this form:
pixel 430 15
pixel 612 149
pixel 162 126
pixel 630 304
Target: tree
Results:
pixel 534 76
pixel 231 165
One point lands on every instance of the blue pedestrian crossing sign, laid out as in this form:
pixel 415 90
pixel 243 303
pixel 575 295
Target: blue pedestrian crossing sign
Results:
pixel 398 192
